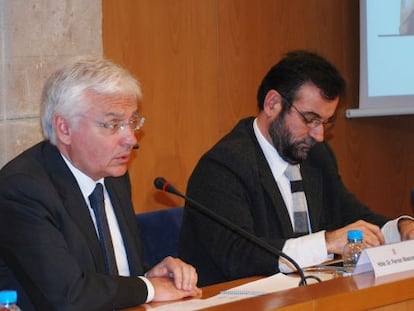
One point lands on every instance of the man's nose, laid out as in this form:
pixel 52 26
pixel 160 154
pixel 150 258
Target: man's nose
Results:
pixel 129 138
pixel 318 133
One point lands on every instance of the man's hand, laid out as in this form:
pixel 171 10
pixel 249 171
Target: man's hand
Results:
pixel 406 228
pixel 336 240
pixel 165 290
pixel 173 279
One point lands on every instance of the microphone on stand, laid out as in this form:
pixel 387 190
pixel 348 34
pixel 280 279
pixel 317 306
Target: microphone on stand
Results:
pixel 161 184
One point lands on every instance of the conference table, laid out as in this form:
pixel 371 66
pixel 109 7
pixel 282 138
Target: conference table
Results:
pixel 357 292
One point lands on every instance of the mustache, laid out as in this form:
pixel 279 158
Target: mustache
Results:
pixel 308 141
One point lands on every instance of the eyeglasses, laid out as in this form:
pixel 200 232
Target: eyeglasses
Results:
pixel 135 124
pixel 312 121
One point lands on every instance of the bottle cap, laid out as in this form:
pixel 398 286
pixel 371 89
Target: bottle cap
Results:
pixel 8 296
pixel 355 235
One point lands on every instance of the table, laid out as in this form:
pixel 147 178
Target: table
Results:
pixel 359 292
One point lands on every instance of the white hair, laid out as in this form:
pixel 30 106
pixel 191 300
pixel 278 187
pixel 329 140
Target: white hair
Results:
pixel 64 91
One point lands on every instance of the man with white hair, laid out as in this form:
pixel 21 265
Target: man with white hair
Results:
pixel 68 233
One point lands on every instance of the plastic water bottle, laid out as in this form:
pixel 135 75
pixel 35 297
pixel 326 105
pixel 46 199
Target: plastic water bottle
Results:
pixel 8 300
pixel 352 250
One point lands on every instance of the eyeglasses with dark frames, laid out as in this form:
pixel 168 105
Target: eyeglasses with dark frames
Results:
pixel 312 121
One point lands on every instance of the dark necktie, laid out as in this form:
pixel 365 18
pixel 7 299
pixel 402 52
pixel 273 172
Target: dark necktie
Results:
pixel 98 205
pixel 300 209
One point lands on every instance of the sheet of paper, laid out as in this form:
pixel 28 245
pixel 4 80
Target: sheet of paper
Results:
pixel 263 286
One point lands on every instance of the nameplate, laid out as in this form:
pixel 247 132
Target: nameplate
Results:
pixel 386 259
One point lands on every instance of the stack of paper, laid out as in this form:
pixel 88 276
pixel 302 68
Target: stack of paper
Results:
pixel 263 286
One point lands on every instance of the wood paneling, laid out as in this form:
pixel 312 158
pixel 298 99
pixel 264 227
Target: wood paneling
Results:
pixel 171 46
pixel 200 63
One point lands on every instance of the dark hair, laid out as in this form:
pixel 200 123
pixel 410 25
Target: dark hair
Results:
pixel 297 68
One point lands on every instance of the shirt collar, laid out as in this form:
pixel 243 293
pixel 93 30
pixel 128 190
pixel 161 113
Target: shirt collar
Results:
pixel 86 184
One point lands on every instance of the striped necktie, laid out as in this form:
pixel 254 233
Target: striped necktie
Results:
pixel 300 208
pixel 98 205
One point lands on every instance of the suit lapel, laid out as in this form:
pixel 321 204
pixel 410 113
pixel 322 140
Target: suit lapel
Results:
pixel 74 202
pixel 269 184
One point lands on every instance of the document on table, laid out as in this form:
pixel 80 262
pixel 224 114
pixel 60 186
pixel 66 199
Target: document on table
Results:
pixel 271 284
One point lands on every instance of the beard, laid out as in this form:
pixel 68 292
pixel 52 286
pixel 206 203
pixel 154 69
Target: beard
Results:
pixel 291 151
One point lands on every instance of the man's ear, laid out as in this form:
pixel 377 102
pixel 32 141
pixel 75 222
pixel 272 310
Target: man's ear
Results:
pixel 62 129
pixel 272 105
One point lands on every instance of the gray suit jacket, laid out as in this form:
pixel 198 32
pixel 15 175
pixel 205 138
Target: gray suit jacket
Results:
pixel 49 248
pixel 234 180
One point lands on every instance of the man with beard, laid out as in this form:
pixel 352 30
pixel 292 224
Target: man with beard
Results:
pixel 242 178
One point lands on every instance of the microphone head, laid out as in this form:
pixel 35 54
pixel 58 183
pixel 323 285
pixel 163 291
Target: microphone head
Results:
pixel 159 183
pixel 163 185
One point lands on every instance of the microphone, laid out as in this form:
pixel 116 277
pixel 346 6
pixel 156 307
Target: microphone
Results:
pixel 161 184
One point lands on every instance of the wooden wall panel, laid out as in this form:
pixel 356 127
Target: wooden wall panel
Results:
pixel 200 63
pixel 171 47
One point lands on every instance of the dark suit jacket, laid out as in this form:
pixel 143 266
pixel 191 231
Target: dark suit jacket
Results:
pixel 49 248
pixel 234 180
